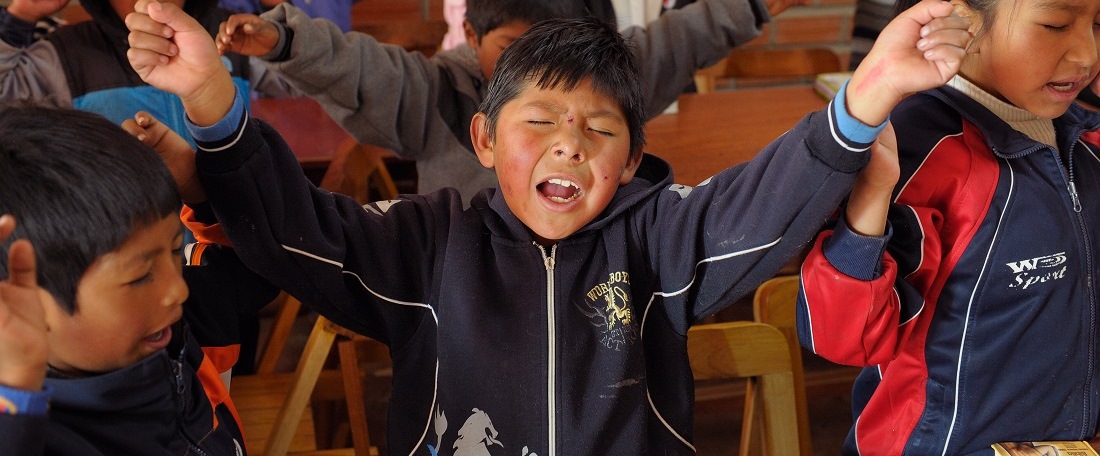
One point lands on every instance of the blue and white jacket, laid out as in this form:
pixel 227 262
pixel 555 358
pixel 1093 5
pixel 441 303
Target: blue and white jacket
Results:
pixel 982 326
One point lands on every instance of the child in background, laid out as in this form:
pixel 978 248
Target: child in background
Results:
pixel 978 324
pixel 551 316
pixel 83 65
pixel 94 356
pixel 420 108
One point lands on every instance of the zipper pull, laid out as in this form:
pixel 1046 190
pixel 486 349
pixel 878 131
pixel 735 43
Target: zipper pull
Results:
pixel 1073 196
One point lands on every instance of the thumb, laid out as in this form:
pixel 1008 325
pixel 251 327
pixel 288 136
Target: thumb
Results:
pixel 21 264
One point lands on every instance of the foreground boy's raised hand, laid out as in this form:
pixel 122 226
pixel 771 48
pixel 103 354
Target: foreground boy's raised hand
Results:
pixel 172 52
pixel 173 149
pixel 247 34
pixel 23 344
pixel 922 48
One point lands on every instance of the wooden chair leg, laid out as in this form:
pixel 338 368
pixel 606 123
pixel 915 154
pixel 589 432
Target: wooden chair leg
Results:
pixel 354 395
pixel 305 379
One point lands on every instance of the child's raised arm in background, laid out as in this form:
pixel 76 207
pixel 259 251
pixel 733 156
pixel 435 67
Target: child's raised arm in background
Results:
pixel 420 108
pixel 553 312
pixel 975 314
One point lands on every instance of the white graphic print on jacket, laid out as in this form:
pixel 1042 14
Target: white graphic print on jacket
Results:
pixel 475 436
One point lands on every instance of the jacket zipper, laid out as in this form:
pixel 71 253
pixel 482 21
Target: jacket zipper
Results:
pixel 551 353
pixel 177 377
pixel 1088 421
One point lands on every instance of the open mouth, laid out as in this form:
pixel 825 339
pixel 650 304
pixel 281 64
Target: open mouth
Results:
pixel 1063 86
pixel 159 338
pixel 560 190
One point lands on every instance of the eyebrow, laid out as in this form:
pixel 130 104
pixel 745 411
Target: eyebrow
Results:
pixel 603 113
pixel 1059 5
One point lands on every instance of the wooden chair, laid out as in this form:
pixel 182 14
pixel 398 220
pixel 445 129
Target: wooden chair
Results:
pixel 759 353
pixel 275 407
pixel 774 304
pixel 761 66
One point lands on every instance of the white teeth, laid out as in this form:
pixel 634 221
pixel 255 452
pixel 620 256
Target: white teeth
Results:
pixel 558 199
pixel 1064 86
pixel 563 183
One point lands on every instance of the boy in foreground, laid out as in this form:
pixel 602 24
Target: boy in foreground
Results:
pixel 95 357
pixel 549 317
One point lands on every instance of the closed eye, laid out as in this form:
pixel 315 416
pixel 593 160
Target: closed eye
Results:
pixel 604 133
pixel 1056 28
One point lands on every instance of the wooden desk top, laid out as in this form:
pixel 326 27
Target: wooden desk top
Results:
pixel 714 131
pixel 311 133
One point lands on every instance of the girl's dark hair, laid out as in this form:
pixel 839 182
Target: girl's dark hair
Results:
pixel 560 53
pixel 78 185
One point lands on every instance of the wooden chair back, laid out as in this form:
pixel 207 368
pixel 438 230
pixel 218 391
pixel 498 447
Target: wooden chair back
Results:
pixel 762 66
pixel 774 304
pixel 758 353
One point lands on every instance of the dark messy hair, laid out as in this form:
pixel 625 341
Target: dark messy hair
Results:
pixel 486 15
pixel 78 186
pixel 560 53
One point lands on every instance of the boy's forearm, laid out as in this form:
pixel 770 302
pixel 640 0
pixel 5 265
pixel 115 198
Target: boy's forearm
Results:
pixel 212 102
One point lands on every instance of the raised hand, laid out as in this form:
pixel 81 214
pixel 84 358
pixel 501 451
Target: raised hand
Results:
pixel 172 52
pixel 173 149
pixel 33 10
pixel 23 344
pixel 247 34
pixel 922 48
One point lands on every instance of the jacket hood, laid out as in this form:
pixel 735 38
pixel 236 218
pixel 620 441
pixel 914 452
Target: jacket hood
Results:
pixel 104 14
pixel 653 175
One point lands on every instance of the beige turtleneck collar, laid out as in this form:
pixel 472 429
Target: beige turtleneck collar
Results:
pixel 1036 128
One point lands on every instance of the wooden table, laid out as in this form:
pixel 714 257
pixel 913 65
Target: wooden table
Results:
pixel 714 131
pixel 311 134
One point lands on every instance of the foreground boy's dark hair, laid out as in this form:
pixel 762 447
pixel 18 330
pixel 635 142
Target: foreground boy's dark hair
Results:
pixel 78 186
pixel 560 53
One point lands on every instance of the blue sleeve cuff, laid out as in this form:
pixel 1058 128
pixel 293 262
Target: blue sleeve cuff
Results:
pixel 849 126
pixel 22 402
pixel 854 254
pixel 223 128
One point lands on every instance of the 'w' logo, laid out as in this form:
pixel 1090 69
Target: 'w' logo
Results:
pixel 1048 261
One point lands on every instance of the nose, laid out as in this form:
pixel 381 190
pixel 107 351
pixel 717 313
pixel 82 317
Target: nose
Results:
pixel 175 291
pixel 1083 49
pixel 569 145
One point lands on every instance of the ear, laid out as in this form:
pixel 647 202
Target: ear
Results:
pixel 963 9
pixel 471 35
pixel 483 143
pixel 631 167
